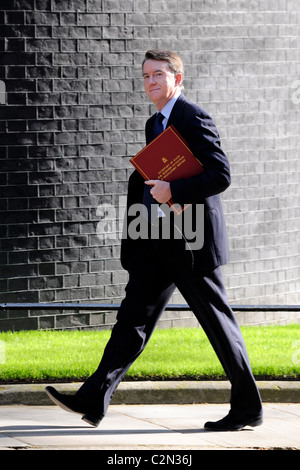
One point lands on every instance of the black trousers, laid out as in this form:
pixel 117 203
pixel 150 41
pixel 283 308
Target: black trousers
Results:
pixel 156 271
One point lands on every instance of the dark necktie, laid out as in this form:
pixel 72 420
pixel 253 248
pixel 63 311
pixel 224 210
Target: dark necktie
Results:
pixel 158 125
pixel 148 199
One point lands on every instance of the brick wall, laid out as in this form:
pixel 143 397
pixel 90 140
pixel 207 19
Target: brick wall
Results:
pixel 75 111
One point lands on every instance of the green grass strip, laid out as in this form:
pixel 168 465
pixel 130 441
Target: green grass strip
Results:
pixel 177 353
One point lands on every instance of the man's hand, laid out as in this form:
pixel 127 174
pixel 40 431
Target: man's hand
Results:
pixel 160 190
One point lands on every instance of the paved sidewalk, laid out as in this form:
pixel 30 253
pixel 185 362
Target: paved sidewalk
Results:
pixel 145 427
pixel 157 415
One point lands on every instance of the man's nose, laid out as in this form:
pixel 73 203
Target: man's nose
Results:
pixel 152 79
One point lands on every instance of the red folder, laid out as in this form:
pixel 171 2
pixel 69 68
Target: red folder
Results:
pixel 167 158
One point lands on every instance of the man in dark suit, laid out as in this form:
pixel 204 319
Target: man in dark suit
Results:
pixel 157 266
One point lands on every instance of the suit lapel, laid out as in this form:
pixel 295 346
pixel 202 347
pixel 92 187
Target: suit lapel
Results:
pixel 149 128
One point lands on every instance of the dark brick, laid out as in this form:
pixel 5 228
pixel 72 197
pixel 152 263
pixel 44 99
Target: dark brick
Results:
pixel 42 45
pixel 44 98
pixel 13 138
pixel 20 217
pixel 49 282
pixel 45 256
pixel 18 324
pixel 47 323
pixel 12 112
pixel 43 31
pixel 64 5
pixel 14 45
pixel 16 99
pixel 18 284
pixel 17 230
pixel 43 72
pixel 20 297
pixel 16 72
pixel 75 112
pixel 16 5
pixel 18 258
pixel 45 177
pixel 16 126
pixel 15 17
pixel 44 5
pixel 72 320
pixel 17 58
pixel 20 85
pixel 20 31
pixel 21 191
pixel 14 244
pixel 45 203
pixel 46 269
pixel 42 18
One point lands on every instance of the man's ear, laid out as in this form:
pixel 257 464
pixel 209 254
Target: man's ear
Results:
pixel 178 79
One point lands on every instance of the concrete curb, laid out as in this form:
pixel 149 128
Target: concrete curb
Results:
pixel 168 392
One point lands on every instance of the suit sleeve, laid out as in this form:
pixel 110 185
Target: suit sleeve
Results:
pixel 201 134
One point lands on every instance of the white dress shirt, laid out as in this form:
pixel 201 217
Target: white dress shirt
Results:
pixel 167 109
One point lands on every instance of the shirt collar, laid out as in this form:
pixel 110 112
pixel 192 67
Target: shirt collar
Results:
pixel 167 109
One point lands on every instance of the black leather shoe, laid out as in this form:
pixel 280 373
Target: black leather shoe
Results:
pixel 234 423
pixel 73 404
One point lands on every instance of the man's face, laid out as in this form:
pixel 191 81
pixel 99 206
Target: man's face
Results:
pixel 160 82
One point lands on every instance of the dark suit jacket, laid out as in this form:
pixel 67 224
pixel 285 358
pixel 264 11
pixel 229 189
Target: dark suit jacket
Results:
pixel 199 131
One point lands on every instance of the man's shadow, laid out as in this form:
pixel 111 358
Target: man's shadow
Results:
pixel 16 431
